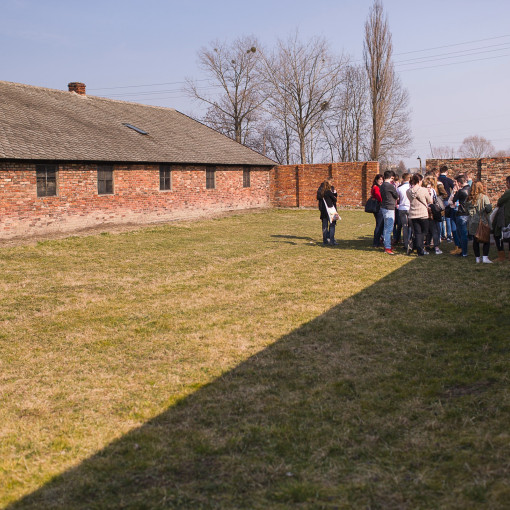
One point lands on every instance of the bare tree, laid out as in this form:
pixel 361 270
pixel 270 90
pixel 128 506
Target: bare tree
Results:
pixel 302 80
pixel 345 123
pixel 476 147
pixel 389 101
pixel 442 152
pixel 502 154
pixel 233 69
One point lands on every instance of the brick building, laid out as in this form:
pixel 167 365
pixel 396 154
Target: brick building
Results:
pixel 70 161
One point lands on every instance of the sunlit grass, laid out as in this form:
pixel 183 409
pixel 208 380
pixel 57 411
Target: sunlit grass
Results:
pixel 268 353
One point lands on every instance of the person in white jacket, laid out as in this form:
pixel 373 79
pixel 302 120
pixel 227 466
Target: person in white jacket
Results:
pixel 403 211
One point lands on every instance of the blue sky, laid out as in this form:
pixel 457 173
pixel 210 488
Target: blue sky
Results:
pixel 111 44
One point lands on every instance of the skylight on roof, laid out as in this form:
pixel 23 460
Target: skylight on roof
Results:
pixel 138 130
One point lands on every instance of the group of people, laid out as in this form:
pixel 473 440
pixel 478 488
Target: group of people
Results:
pixel 422 211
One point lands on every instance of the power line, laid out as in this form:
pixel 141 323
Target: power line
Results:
pixel 454 63
pixel 451 45
pixel 420 60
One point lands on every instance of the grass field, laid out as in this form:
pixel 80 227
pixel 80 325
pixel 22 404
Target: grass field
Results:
pixel 237 363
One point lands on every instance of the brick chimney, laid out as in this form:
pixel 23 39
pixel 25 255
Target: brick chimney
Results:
pixel 76 86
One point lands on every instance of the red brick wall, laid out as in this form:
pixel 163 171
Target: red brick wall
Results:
pixel 296 185
pixel 136 198
pixel 491 171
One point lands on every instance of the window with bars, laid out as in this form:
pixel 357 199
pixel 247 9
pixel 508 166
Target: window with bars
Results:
pixel 165 177
pixel 105 180
pixel 246 178
pixel 46 176
pixel 210 178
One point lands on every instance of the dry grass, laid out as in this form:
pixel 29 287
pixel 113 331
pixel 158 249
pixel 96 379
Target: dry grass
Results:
pixel 236 363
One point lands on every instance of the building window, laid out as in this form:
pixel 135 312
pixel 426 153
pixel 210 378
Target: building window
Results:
pixel 210 178
pixel 165 177
pixel 46 176
pixel 105 180
pixel 246 178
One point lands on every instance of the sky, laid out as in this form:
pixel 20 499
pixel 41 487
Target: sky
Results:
pixel 453 56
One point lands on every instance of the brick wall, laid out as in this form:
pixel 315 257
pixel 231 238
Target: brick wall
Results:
pixel 136 199
pixel 296 185
pixel 491 171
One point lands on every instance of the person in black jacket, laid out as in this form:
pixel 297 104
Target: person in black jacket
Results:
pixel 389 200
pixel 326 193
pixel 461 192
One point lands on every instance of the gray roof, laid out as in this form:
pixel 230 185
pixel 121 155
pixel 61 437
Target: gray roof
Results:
pixel 47 124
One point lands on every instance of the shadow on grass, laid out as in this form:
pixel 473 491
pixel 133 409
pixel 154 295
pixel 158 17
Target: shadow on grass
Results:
pixel 361 243
pixel 357 408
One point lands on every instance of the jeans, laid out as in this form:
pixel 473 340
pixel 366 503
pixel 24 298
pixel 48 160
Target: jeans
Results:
pixel 406 226
pixel 328 231
pixel 389 219
pixel 379 224
pixel 397 227
pixel 433 234
pixel 462 232
pixel 453 224
pixel 446 232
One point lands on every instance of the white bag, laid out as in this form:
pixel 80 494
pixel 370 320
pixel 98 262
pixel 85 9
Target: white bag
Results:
pixel 332 213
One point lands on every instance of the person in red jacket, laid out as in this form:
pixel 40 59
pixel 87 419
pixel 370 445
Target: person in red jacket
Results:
pixel 379 220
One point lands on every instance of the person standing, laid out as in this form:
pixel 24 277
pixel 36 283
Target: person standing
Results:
pixel 504 213
pixel 479 206
pixel 433 235
pixel 389 200
pixel 419 201
pixel 403 211
pixel 375 193
pixel 461 191
pixel 448 187
pixel 327 195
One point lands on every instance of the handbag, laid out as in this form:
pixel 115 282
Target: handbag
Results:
pixel 483 232
pixel 332 213
pixel 372 205
pixel 439 202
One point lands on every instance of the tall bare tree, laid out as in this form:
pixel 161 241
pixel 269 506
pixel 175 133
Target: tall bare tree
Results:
pixel 234 70
pixel 476 147
pixel 389 101
pixel 302 80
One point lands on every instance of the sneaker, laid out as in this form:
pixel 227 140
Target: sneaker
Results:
pixel 438 251
pixel 425 252
pixel 460 254
pixel 449 240
pixel 389 251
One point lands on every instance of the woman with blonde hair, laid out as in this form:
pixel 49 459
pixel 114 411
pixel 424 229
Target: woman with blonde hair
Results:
pixel 479 207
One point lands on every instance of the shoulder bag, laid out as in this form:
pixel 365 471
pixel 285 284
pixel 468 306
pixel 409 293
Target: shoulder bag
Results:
pixel 372 205
pixel 332 213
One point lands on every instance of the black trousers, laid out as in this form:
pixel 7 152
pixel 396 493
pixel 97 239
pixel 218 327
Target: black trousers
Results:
pixel 420 227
